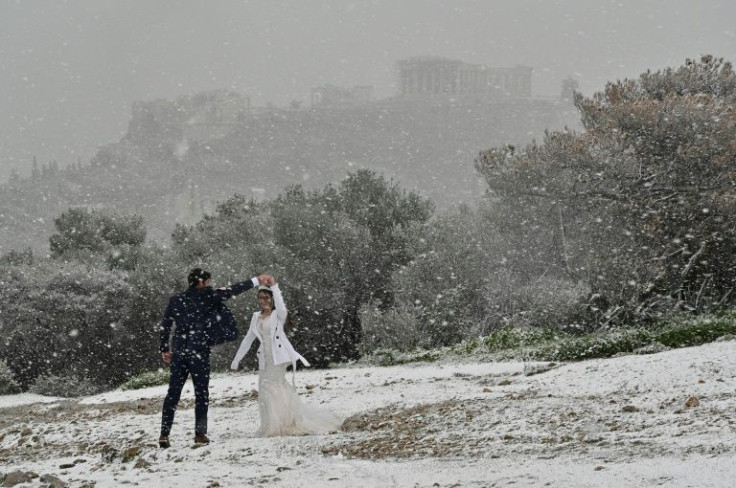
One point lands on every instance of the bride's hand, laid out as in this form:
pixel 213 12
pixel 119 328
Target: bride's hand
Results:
pixel 267 280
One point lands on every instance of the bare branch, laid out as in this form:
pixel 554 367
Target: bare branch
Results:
pixel 692 260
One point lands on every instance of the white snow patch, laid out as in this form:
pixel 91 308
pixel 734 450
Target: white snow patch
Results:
pixel 658 441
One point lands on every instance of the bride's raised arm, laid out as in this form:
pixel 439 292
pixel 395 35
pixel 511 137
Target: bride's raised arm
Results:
pixel 278 301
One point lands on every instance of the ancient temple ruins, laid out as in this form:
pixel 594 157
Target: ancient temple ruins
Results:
pixel 422 76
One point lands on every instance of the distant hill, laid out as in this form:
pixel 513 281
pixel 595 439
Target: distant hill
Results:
pixel 179 158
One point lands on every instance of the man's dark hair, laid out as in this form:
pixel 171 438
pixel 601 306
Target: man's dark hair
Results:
pixel 196 275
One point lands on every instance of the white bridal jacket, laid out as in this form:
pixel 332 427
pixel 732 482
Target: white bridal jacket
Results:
pixel 281 349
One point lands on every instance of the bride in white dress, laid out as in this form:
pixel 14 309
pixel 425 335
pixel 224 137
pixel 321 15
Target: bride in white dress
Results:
pixel 282 411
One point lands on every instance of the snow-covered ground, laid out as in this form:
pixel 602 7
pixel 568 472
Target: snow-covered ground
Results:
pixel 613 422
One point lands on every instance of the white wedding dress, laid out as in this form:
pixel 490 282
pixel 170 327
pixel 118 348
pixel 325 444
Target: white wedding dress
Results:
pixel 282 411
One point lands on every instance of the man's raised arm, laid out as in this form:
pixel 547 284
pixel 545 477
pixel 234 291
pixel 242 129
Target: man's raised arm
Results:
pixel 238 288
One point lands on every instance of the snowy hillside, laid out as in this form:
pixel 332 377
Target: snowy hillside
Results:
pixel 667 419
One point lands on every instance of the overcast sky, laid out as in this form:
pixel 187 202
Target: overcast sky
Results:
pixel 69 70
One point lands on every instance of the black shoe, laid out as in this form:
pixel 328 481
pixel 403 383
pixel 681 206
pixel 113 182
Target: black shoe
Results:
pixel 163 442
pixel 201 439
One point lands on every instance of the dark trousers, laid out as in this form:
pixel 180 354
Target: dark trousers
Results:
pixel 182 364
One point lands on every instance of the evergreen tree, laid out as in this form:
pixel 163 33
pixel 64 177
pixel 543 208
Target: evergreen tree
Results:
pixel 641 204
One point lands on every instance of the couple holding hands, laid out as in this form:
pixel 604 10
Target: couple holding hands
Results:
pixel 188 352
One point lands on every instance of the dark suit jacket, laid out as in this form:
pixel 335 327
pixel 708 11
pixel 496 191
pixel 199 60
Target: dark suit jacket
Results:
pixel 190 310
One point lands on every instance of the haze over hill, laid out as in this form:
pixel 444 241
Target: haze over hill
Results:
pixel 179 158
pixel 71 70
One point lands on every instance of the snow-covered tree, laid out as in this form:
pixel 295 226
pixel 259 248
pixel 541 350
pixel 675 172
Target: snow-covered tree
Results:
pixel 640 204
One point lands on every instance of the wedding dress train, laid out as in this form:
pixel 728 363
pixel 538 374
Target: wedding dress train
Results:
pixel 282 411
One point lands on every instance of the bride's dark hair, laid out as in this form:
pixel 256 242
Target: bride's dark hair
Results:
pixel 288 324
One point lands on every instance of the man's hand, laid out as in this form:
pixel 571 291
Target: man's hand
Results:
pixel 166 356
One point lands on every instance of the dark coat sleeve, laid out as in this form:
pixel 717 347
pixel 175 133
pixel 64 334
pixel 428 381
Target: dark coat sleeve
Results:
pixel 231 291
pixel 165 326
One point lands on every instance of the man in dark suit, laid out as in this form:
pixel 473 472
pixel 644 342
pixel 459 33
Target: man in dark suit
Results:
pixel 191 310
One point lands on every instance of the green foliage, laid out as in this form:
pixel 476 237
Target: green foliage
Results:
pixel 346 242
pixel 544 344
pixel 8 384
pixel 514 338
pixel 67 320
pixel 550 345
pixel 95 231
pixel 371 201
pixel 696 331
pixel 466 279
pixel 236 224
pixel 594 345
pixel 395 329
pixel 146 379
pixel 17 258
pixel 444 284
pixel 125 256
pixel 327 262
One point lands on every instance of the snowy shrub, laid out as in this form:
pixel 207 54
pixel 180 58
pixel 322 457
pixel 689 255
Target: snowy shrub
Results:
pixel 652 348
pixel 516 338
pixel 384 357
pixel 443 286
pixel 596 345
pixel 392 357
pixel 552 302
pixel 8 384
pixel 146 379
pixel 468 278
pixel 64 386
pixel 66 317
pixel 396 328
